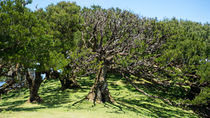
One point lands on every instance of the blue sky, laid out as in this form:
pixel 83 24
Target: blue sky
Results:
pixel 194 10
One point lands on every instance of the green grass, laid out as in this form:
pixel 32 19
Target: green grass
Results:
pixel 59 104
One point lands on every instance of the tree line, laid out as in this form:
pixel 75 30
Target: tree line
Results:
pixel 95 41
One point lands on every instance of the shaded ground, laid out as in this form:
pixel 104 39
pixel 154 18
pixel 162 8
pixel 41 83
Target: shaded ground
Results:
pixel 59 104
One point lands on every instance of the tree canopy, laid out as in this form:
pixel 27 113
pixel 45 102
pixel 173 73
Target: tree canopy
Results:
pixel 66 42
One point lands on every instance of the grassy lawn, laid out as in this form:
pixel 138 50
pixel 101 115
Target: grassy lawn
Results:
pixel 68 104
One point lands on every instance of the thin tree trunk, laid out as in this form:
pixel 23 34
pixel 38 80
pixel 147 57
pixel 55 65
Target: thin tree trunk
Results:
pixel 34 84
pixel 99 91
pixel 47 74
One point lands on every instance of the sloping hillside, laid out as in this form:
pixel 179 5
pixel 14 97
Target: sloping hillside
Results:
pixel 69 103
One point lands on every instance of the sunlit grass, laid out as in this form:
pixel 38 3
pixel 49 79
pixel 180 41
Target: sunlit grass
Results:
pixel 59 104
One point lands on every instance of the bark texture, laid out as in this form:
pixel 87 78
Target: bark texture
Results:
pixel 99 92
pixel 34 84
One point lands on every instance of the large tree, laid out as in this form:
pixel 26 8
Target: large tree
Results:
pixel 108 34
pixel 24 42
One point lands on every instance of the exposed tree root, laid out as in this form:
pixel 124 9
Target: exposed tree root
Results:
pixel 79 101
pixel 99 92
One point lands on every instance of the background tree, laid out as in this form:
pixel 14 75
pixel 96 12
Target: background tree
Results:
pixel 64 20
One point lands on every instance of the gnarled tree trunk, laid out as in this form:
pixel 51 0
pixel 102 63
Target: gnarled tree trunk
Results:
pixel 68 82
pixel 99 91
pixel 34 84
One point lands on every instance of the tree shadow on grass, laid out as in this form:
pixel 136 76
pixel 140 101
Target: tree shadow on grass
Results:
pixel 121 106
pixel 152 107
pixel 114 77
pixel 55 99
pixel 17 109
pixel 155 109
pixel 53 96
pixel 12 106
pixel 86 82
pixel 172 93
pixel 15 93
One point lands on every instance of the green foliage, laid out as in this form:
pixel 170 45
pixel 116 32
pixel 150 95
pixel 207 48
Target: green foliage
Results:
pixel 57 60
pixel 203 72
pixel 24 37
pixel 65 37
pixel 64 20
pixel 186 53
pixel 203 98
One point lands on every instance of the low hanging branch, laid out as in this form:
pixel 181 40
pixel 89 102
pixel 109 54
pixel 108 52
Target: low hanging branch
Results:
pixel 7 86
pixel 141 91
